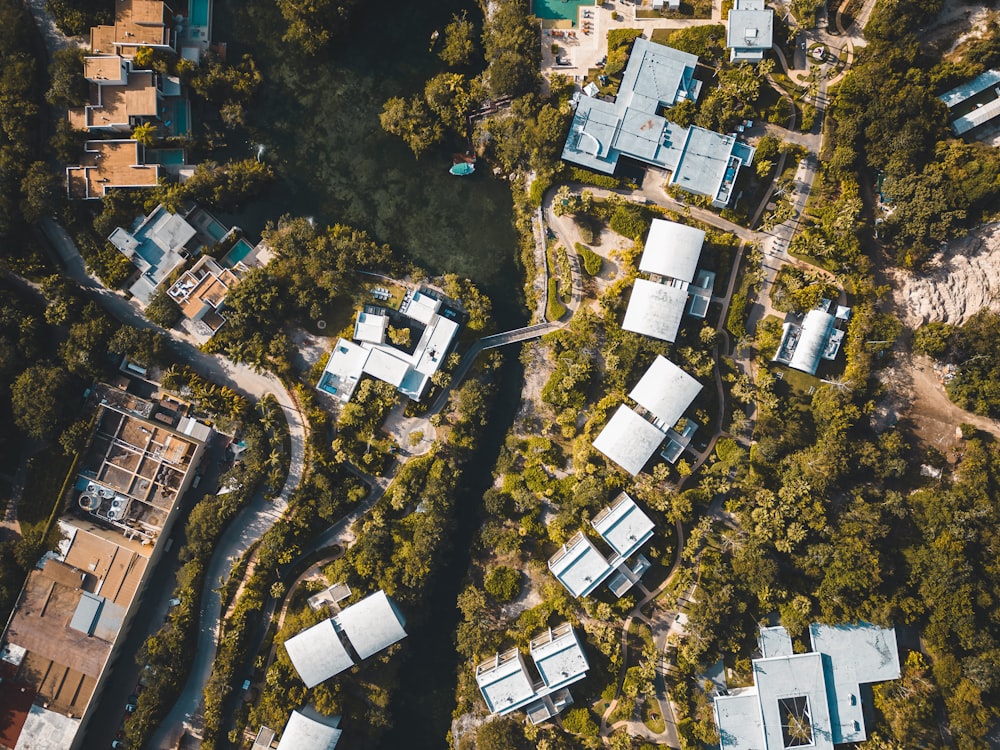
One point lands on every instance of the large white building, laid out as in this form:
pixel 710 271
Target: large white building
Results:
pixel 665 392
pixel 409 372
pixel 809 700
pixel 750 31
pixel 817 337
pixel 656 78
pixel 366 627
pixel 581 567
pixel 507 685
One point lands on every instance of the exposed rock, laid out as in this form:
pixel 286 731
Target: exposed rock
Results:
pixel 964 280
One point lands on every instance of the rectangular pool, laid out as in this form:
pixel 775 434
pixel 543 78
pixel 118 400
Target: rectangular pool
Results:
pixel 237 253
pixel 564 10
pixel 167 156
pixel 199 12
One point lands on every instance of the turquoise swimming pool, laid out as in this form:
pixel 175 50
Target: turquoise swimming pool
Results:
pixel 567 10
pixel 199 11
pixel 237 253
pixel 167 156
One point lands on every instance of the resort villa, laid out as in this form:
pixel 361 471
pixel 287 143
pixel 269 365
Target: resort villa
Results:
pixel 750 31
pixel 810 700
pixel 581 567
pixel 816 337
pixel 408 370
pixel 664 393
pixel 670 259
pixel 78 600
pixel 305 730
pixel 507 685
pixel 656 78
pixel 339 642
pixel 110 164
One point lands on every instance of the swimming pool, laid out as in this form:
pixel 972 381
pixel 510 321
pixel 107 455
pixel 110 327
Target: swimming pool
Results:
pixel 559 9
pixel 199 12
pixel 167 156
pixel 238 253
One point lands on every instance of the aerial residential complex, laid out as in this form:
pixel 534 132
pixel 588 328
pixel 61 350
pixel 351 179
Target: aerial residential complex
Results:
pixel 409 370
pixel 305 730
pixel 507 685
pixel 581 567
pixel 656 77
pixel 79 599
pixel 817 337
pixel 750 31
pixel 369 626
pixel 811 699
pixel 122 97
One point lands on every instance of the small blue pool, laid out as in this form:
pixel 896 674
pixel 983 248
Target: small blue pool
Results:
pixel 238 253
pixel 167 156
pixel 563 10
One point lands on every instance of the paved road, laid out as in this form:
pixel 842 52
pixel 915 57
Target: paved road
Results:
pixel 253 521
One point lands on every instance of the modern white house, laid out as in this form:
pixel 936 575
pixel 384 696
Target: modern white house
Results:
pixel 750 31
pixel 664 392
pixel 410 372
pixel 817 337
pixel 807 700
pixel 581 567
pixel 366 628
pixel 507 685
pixel 670 257
pixel 307 733
pixel 637 125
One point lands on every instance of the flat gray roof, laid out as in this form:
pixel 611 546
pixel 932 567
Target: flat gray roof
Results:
pixel 372 624
pixel 782 684
pixel 629 440
pixel 559 657
pixel 672 250
pixel 665 391
pixel 858 655
pixel 738 718
pixel 304 733
pixel 655 309
pixel 579 566
pixel 750 30
pixel 975 118
pixel 504 682
pixel 623 526
pixel 968 90
pixel 775 642
pixel 318 654
pixel 705 162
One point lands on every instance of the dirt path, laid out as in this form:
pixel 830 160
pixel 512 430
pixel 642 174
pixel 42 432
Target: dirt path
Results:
pixel 934 417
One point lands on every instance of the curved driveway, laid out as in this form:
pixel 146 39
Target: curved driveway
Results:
pixel 252 522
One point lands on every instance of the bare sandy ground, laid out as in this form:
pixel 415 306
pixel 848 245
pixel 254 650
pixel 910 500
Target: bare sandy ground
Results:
pixel 965 280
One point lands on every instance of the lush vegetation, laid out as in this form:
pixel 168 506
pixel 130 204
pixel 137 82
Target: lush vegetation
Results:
pixel 972 349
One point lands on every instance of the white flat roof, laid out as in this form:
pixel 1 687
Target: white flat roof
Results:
pixel 775 642
pixel 303 733
pixel 579 566
pixel 561 660
pixel 859 654
pixel 968 90
pixel 629 440
pixel 422 307
pixel 672 250
pixel 781 681
pixel 46 730
pixel 373 624
pixel 343 370
pixel 624 526
pixel 655 310
pixel 318 654
pixel 434 344
pixel 504 682
pixel 816 329
pixel 383 363
pixel 665 391
pixel 737 716
pixel 371 327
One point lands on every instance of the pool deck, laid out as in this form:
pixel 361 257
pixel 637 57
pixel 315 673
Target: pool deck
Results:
pixel 583 50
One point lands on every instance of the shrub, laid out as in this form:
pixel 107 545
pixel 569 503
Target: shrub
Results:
pixel 618 38
pixel 592 262
pixel 594 178
pixel 579 721
pixel 162 310
pixel 554 309
pixel 503 583
pixel 629 222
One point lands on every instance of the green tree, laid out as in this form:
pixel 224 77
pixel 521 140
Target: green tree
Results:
pixel 145 133
pixel 500 734
pixel 38 400
pixel 503 583
pixel 412 121
pixel 459 41
pixel 67 86
pixel 41 192
pixel 162 310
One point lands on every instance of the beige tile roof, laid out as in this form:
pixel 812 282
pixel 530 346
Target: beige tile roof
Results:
pixel 109 164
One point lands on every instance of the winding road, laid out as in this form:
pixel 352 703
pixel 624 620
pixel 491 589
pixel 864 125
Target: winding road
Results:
pixel 253 521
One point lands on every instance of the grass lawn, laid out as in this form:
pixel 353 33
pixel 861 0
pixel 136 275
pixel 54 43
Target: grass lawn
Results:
pixel 46 473
pixel 651 715
pixel 687 9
